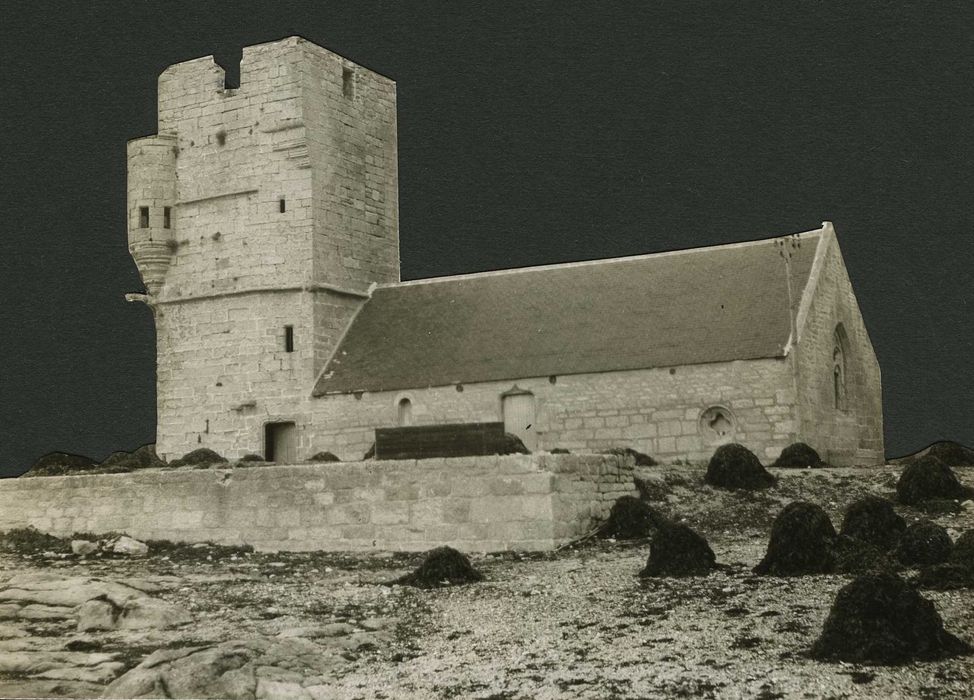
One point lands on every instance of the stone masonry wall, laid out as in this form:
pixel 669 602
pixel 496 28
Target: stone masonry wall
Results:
pixel 852 433
pixel 657 411
pixel 239 152
pixel 285 212
pixel 475 504
pixel 223 370
pixel 350 114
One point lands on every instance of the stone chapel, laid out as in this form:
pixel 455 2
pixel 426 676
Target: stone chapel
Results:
pixel 264 223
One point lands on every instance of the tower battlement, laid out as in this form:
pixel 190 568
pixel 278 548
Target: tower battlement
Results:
pixel 298 165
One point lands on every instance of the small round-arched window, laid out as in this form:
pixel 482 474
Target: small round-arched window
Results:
pixel 717 424
pixel 839 344
pixel 404 413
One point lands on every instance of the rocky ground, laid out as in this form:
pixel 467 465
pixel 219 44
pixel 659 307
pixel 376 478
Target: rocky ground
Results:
pixel 217 622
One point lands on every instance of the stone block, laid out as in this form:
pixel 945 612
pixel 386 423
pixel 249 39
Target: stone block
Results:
pixel 639 431
pixel 362 532
pixel 390 513
pixel 434 488
pixel 456 510
pixel 349 514
pixel 505 486
pixel 425 513
pixel 469 487
pixel 403 492
pixel 438 535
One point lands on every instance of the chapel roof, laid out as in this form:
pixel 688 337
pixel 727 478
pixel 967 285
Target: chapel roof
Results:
pixel 694 306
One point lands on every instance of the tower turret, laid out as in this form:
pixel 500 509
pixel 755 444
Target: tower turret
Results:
pixel 151 206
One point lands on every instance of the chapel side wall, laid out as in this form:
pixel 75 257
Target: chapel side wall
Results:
pixel 656 411
pixel 853 434
pixel 522 502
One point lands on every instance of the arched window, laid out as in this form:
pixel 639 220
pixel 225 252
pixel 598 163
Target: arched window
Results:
pixel 405 413
pixel 839 368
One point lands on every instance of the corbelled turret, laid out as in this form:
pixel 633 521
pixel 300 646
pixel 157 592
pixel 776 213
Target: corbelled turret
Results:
pixel 151 206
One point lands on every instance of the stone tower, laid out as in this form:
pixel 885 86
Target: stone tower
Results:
pixel 259 217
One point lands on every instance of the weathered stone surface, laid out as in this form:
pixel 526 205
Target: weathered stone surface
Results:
pixel 10 632
pixel 47 589
pixel 35 662
pixel 83 547
pixel 249 668
pixel 224 671
pixel 102 673
pixel 332 629
pixel 34 611
pixel 143 612
pixel 530 502
pixel 97 614
pixel 131 547
pixel 96 604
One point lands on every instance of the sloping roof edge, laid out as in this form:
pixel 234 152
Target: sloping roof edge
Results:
pixel 380 378
pixel 808 294
pixel 602 261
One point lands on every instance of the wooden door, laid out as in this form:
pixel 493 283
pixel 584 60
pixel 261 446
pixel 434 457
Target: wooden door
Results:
pixel 518 412
pixel 281 443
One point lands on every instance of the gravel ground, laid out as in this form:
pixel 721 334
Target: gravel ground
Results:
pixel 573 623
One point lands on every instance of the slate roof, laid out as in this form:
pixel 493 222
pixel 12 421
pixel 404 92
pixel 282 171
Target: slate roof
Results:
pixel 677 308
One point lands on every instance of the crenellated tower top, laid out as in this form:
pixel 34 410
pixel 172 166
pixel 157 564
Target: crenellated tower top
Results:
pixel 288 181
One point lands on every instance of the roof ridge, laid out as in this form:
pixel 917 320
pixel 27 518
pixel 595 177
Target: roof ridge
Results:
pixel 583 263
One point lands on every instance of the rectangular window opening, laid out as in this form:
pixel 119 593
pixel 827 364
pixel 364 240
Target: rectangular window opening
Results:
pixel 348 82
pixel 283 205
pixel 280 442
pixel 167 217
pixel 288 338
pixel 143 217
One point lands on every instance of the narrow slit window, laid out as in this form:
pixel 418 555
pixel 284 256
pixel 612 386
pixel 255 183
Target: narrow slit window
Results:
pixel 167 217
pixel 288 338
pixel 143 217
pixel 282 205
pixel 348 82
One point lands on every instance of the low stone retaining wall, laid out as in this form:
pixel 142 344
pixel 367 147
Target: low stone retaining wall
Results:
pixel 525 502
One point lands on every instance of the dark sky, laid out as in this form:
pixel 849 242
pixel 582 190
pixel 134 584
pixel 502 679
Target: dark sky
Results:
pixel 529 133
